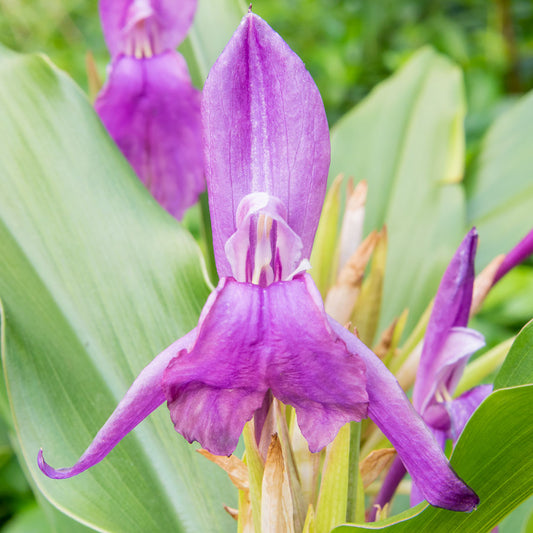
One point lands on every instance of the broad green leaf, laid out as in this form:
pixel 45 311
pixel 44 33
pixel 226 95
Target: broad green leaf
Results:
pixel 95 280
pixel 406 139
pixel 494 456
pixel 518 366
pixel 499 186
pixel 332 498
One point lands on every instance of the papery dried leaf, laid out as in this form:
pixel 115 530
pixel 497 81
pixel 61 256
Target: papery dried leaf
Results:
pixel 368 304
pixel 245 523
pixel 382 513
pixel 352 223
pixel 234 513
pixel 341 298
pixel 484 282
pixel 375 463
pixel 307 463
pixel 233 466
pixel 407 374
pixel 387 348
pixel 276 502
pixel 297 496
pixel 94 81
pixel 382 348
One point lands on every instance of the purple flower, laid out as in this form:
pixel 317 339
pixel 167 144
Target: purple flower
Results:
pixel 448 344
pixel 263 331
pixel 518 254
pixel 148 104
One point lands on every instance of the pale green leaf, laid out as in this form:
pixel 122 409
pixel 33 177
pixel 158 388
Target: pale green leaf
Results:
pixel 499 186
pixel 406 139
pixel 95 280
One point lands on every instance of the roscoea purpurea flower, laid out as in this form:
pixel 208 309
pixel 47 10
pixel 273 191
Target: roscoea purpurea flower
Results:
pixel 448 345
pixel 263 330
pixel 148 103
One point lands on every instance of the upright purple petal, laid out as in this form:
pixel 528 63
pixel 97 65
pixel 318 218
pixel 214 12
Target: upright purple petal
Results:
pixel 252 339
pixel 451 308
pixel 518 254
pixel 447 366
pixel 145 395
pixel 265 131
pixel 165 22
pixel 390 409
pixel 152 112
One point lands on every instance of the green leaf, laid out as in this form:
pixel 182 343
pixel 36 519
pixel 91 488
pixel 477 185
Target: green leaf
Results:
pixel 494 456
pixel 95 280
pixel 332 498
pixel 499 186
pixel 517 368
pixel 406 139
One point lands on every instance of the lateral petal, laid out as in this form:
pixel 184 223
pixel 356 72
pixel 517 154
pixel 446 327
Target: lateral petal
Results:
pixel 390 409
pixel 448 365
pixel 152 112
pixel 143 397
pixel 265 130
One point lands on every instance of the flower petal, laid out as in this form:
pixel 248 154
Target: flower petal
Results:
pixel 145 395
pixel 316 374
pixel 265 130
pixel 167 21
pixel 447 366
pixel 518 254
pixel 451 308
pixel 152 112
pixel 390 409
pixel 263 242
pixel 253 339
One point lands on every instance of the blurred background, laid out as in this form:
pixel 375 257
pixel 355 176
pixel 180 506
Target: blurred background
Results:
pixel 349 46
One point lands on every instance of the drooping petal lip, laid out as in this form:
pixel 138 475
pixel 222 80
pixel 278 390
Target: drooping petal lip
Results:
pixel 152 111
pixel 168 20
pixel 145 395
pixel 265 130
pixel 275 338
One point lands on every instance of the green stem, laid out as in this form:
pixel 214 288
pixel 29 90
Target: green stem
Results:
pixel 353 471
pixel 208 239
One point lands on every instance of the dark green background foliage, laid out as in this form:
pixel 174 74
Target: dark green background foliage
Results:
pixel 348 45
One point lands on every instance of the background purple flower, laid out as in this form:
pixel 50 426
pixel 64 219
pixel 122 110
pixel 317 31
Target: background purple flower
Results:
pixel 148 103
